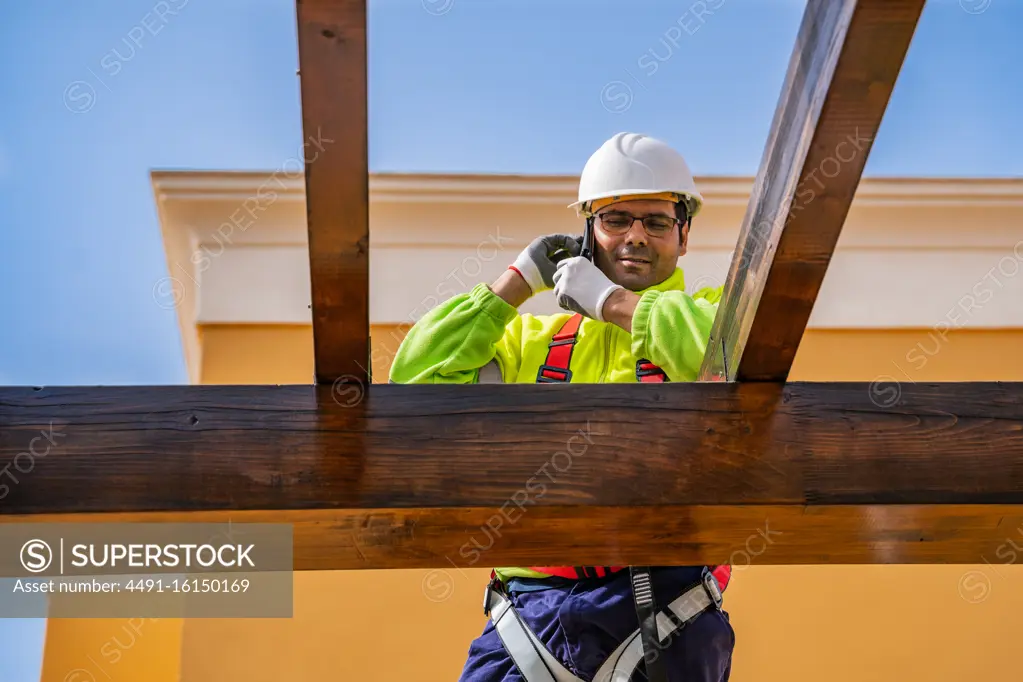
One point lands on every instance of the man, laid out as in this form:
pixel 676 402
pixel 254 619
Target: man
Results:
pixel 629 320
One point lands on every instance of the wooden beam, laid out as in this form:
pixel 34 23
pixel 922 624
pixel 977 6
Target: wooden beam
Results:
pixel 483 537
pixel 847 57
pixel 599 474
pixel 332 58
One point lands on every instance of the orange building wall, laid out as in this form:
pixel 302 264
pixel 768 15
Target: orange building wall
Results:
pixel 260 354
pixel 112 650
pixel 793 623
pixel 279 354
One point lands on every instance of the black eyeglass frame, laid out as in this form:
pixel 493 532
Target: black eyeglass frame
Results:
pixel 681 215
pixel 642 219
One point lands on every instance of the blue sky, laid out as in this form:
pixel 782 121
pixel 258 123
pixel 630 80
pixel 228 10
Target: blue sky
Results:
pixel 455 86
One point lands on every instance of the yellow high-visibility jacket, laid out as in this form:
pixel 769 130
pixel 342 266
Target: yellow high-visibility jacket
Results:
pixel 480 332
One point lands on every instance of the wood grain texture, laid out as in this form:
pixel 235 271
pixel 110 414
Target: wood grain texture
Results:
pixel 332 57
pixel 844 66
pixel 603 473
pixel 482 537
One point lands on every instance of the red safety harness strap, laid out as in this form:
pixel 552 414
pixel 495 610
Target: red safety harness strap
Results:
pixel 578 572
pixel 556 370
pixel 722 572
pixel 649 373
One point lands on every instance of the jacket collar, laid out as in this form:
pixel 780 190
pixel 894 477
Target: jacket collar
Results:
pixel 675 282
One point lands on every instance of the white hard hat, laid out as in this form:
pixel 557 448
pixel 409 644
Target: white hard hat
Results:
pixel 630 166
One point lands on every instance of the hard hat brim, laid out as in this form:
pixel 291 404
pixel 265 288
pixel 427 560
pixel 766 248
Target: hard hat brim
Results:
pixel 694 202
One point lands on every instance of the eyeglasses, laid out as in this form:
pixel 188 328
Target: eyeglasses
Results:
pixel 618 223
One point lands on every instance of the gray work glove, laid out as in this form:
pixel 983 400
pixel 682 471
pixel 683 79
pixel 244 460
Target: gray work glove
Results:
pixel 536 264
pixel 581 287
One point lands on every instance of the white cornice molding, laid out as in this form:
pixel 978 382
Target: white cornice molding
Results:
pixel 178 290
pixel 237 186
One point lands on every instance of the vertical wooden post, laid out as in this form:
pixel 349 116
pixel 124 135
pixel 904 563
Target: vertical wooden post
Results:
pixel 332 58
pixel 847 57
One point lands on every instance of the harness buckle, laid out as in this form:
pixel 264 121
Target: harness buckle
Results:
pixel 710 584
pixel 541 379
pixel 645 368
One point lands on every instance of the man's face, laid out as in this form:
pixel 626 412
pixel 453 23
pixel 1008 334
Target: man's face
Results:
pixel 631 255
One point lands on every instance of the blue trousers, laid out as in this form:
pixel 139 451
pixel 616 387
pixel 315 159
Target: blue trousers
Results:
pixel 583 621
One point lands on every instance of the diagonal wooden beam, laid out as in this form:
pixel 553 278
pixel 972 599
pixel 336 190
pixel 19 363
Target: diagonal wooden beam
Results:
pixel 332 58
pixel 426 475
pixel 847 57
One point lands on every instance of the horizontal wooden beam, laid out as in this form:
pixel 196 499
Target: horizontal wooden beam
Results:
pixel 332 59
pixel 428 475
pixel 847 57
pixel 484 537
